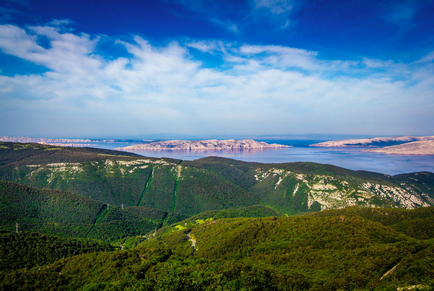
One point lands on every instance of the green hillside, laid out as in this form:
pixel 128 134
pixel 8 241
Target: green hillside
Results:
pixel 71 215
pixel 186 188
pixel 417 223
pixel 276 253
pixel 27 250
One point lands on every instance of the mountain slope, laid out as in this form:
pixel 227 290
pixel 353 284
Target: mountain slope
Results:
pixel 28 250
pixel 191 187
pixel 71 215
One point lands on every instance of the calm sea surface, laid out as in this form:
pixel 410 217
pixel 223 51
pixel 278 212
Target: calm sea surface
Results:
pixel 350 158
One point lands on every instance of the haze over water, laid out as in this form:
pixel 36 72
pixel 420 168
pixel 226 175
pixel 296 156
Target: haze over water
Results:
pixel 349 158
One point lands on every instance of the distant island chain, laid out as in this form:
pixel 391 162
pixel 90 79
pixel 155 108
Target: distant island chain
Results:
pixel 401 145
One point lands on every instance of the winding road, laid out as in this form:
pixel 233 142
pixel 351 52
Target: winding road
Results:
pixel 193 242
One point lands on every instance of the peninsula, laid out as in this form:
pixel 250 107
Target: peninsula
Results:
pixel 423 147
pixel 203 145
pixel 401 145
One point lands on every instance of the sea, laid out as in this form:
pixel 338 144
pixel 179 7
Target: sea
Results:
pixel 353 158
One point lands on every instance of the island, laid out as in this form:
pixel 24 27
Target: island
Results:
pixel 204 145
pixel 423 147
pixel 401 145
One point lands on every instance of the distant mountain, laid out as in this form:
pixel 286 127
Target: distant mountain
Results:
pixel 204 145
pixel 74 142
pixel 41 140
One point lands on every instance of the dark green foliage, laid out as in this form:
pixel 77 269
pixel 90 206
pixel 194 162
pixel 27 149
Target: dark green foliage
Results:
pixel 176 217
pixel 28 250
pixel 250 211
pixel 46 210
pixel 232 170
pixel 276 253
pixel 422 182
pixel 24 154
pixel 417 223
pixel 71 215
pixel 200 190
pixel 117 224
pixel 159 193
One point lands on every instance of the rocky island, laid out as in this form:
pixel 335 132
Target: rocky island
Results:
pixel 204 145
pixel 423 147
pixel 401 145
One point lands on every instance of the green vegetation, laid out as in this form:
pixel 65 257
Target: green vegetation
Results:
pixel 236 212
pixel 71 215
pixel 190 187
pixel 250 211
pixel 27 250
pixel 275 253
pixel 417 223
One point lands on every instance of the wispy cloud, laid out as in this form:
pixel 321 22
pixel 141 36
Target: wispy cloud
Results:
pixel 260 89
pixel 6 14
pixel 277 12
pixel 60 22
pixel 275 6
pixel 402 13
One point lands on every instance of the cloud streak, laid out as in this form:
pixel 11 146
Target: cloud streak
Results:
pixel 256 89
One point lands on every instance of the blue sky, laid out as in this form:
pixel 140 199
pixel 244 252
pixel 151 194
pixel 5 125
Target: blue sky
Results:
pixel 258 67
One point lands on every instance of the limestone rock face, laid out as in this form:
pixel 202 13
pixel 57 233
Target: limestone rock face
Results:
pixel 202 145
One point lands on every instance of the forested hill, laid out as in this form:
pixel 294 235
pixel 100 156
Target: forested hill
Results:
pixel 339 252
pixel 191 187
pixel 72 215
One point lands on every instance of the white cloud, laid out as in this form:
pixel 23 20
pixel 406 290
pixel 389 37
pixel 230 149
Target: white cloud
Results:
pixel 275 6
pixel 60 22
pixel 165 89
